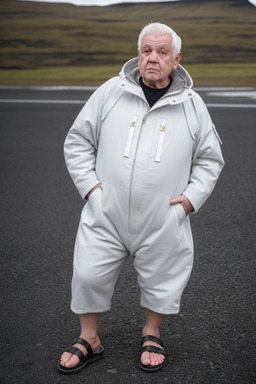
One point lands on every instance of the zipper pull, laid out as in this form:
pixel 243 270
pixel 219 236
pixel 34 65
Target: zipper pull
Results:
pixel 144 118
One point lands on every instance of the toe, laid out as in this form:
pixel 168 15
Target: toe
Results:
pixel 151 358
pixel 145 358
pixel 72 362
pixel 155 358
pixel 65 358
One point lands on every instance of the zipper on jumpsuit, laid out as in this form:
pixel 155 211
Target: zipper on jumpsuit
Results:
pixel 133 167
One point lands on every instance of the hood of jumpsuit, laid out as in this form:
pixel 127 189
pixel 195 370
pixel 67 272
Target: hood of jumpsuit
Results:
pixel 180 77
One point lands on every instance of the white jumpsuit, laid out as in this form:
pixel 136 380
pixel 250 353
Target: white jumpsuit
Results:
pixel 143 157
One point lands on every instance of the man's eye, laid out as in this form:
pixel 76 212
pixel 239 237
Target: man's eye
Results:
pixel 162 52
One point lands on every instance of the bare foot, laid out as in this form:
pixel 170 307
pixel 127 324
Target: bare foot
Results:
pixel 70 360
pixel 151 358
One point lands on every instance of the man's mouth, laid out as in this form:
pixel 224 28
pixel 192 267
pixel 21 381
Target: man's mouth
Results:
pixel 152 69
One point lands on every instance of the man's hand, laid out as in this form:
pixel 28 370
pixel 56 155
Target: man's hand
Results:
pixel 184 202
pixel 91 191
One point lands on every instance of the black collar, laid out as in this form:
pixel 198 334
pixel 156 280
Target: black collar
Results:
pixel 153 94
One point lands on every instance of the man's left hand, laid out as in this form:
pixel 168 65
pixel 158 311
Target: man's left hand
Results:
pixel 184 202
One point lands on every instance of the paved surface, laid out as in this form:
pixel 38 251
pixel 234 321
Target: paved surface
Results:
pixel 212 340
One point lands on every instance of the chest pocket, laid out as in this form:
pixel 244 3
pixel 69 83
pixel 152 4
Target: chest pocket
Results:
pixel 192 123
pixel 130 136
pixel 160 141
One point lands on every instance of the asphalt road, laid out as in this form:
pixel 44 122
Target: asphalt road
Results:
pixel 212 340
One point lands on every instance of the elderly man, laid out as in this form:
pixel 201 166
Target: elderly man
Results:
pixel 144 153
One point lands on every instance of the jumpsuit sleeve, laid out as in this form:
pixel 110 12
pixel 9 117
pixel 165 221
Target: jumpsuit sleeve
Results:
pixel 207 162
pixel 81 144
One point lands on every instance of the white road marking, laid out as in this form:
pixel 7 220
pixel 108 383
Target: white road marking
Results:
pixel 231 105
pixel 247 94
pixel 243 92
pixel 41 101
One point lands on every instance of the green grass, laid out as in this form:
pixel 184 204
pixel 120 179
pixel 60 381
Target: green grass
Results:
pixel 202 74
pixel 55 75
pixel 43 43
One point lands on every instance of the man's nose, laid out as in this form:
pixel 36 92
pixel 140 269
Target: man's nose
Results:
pixel 153 57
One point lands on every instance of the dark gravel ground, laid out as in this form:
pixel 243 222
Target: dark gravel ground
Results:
pixel 212 340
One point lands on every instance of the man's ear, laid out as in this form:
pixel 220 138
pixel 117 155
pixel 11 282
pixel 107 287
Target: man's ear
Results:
pixel 177 60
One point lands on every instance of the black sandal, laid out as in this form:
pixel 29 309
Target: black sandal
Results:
pixel 152 348
pixel 84 360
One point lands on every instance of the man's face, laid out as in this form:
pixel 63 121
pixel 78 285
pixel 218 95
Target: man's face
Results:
pixel 156 60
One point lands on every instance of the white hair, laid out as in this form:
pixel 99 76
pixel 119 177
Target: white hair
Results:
pixel 157 29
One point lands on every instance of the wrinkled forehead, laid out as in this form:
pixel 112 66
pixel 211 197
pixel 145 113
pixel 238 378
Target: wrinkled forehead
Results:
pixel 157 40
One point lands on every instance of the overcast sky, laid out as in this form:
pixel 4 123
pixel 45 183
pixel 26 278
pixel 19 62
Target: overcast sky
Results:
pixel 101 2
pixel 109 2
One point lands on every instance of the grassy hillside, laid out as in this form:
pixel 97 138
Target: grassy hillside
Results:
pixel 42 43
